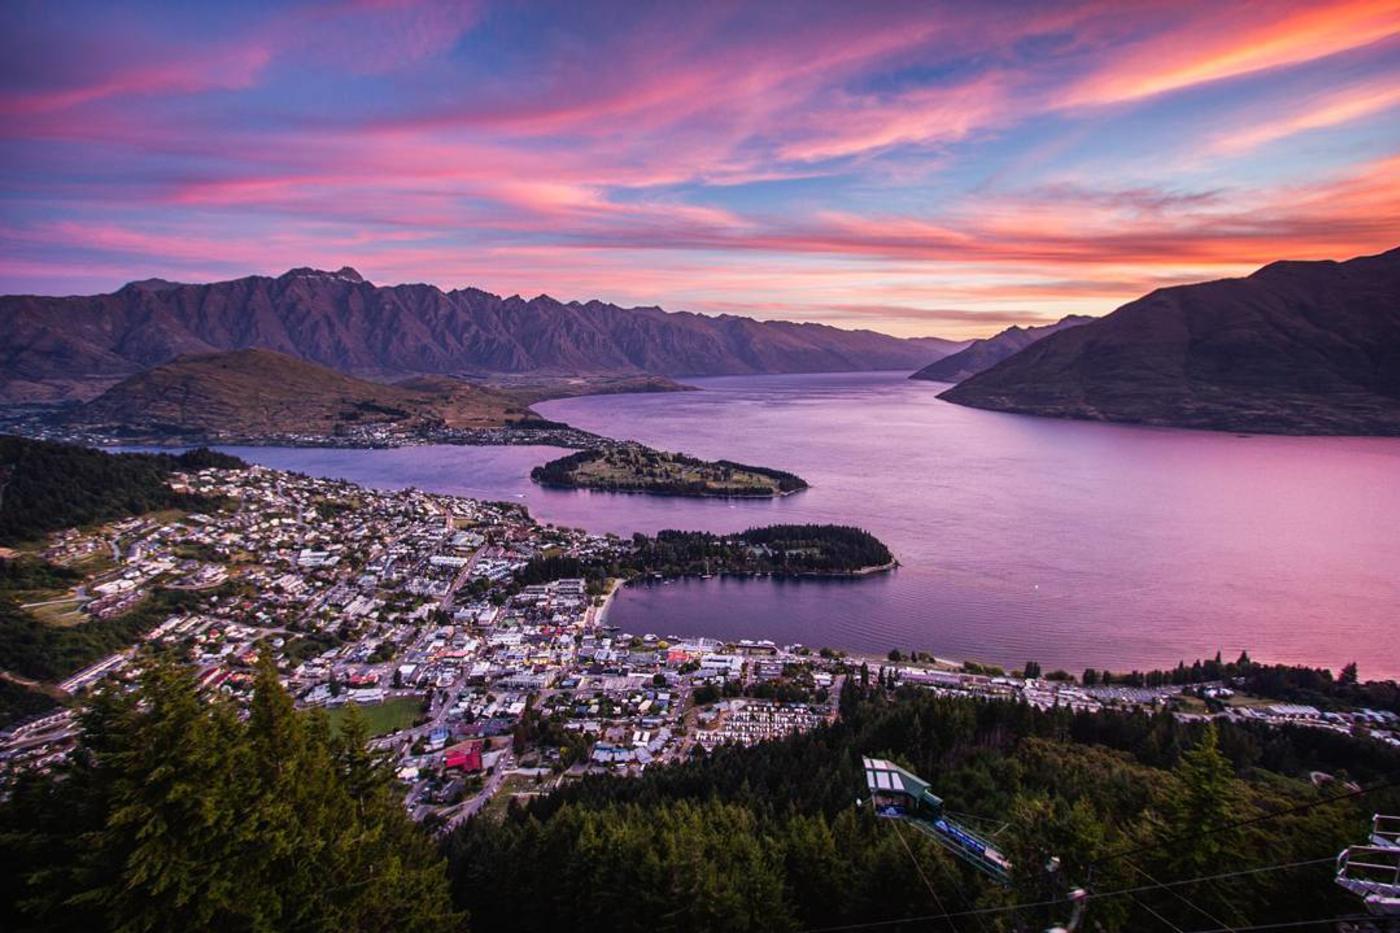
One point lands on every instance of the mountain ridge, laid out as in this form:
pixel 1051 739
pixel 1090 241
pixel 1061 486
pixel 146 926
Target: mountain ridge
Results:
pixel 255 392
pixel 54 349
pixel 1294 348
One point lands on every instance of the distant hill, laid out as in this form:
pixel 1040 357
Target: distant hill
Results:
pixel 1295 348
pixel 249 393
pixel 73 348
pixel 986 353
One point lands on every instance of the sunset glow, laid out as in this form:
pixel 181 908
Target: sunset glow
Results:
pixel 913 168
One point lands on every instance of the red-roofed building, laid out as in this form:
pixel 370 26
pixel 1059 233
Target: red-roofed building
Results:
pixel 465 756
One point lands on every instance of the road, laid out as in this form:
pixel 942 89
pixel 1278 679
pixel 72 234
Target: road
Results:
pixel 450 597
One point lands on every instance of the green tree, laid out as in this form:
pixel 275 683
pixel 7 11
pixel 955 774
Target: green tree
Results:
pixel 174 815
pixel 1205 802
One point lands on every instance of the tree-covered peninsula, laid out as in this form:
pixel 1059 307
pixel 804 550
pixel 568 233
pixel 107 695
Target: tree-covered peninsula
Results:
pixel 635 468
pixel 778 550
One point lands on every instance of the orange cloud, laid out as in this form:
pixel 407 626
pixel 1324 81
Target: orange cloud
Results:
pixel 1246 39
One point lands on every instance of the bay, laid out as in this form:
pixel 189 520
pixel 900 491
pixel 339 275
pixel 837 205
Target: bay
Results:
pixel 1070 543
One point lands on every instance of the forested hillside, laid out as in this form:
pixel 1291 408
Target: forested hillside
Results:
pixel 178 815
pixel 770 837
pixel 46 486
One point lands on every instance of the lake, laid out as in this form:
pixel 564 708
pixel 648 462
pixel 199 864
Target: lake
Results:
pixel 1021 538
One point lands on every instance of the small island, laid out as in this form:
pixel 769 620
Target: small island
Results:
pixel 635 468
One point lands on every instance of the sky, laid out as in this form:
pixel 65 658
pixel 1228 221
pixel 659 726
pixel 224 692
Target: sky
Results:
pixel 916 168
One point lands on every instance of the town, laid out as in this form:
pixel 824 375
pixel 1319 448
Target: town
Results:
pixel 480 674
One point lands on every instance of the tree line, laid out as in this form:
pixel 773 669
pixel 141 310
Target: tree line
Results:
pixel 179 811
pixel 176 812
pixel 771 838
pixel 1294 683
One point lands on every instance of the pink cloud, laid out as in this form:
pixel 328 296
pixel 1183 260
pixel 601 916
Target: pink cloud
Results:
pixel 356 36
pixel 1317 112
pixel 218 69
pixel 927 115
pixel 1237 39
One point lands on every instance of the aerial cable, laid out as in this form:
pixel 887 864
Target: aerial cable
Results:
pixel 1154 913
pixel 1178 895
pixel 919 868
pixel 1093 895
pixel 1262 818
pixel 952 874
pixel 1320 922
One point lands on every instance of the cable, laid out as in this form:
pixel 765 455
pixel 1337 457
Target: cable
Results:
pixel 1176 894
pixel 1203 878
pixel 952 873
pixel 920 869
pixel 1117 892
pixel 1158 916
pixel 1360 792
pixel 1293 924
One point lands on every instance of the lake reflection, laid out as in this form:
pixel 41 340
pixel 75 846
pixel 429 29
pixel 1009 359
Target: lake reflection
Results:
pixel 1022 538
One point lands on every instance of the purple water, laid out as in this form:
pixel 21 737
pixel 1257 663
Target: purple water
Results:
pixel 1021 538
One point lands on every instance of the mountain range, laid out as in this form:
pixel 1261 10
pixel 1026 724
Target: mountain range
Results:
pixel 52 349
pixel 1295 348
pixel 986 353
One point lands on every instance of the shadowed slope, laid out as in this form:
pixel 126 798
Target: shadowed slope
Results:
pixel 1295 348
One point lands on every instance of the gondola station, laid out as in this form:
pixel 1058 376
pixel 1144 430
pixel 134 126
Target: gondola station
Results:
pixel 897 794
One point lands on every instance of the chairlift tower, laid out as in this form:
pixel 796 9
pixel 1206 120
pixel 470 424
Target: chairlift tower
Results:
pixel 1371 870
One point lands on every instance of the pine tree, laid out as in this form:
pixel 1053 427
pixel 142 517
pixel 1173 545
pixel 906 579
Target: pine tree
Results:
pixel 175 815
pixel 1206 802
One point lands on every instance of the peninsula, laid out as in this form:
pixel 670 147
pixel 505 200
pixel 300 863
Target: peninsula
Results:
pixel 637 468
pixel 772 550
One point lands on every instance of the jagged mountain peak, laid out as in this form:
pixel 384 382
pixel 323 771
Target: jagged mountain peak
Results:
pixel 344 273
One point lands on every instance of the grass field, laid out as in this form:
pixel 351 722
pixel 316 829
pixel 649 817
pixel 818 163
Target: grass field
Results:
pixel 383 718
pixel 62 613
pixel 499 803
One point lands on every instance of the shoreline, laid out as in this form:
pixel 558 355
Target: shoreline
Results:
pixel 566 438
pixel 576 487
pixel 652 579
pixel 600 612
